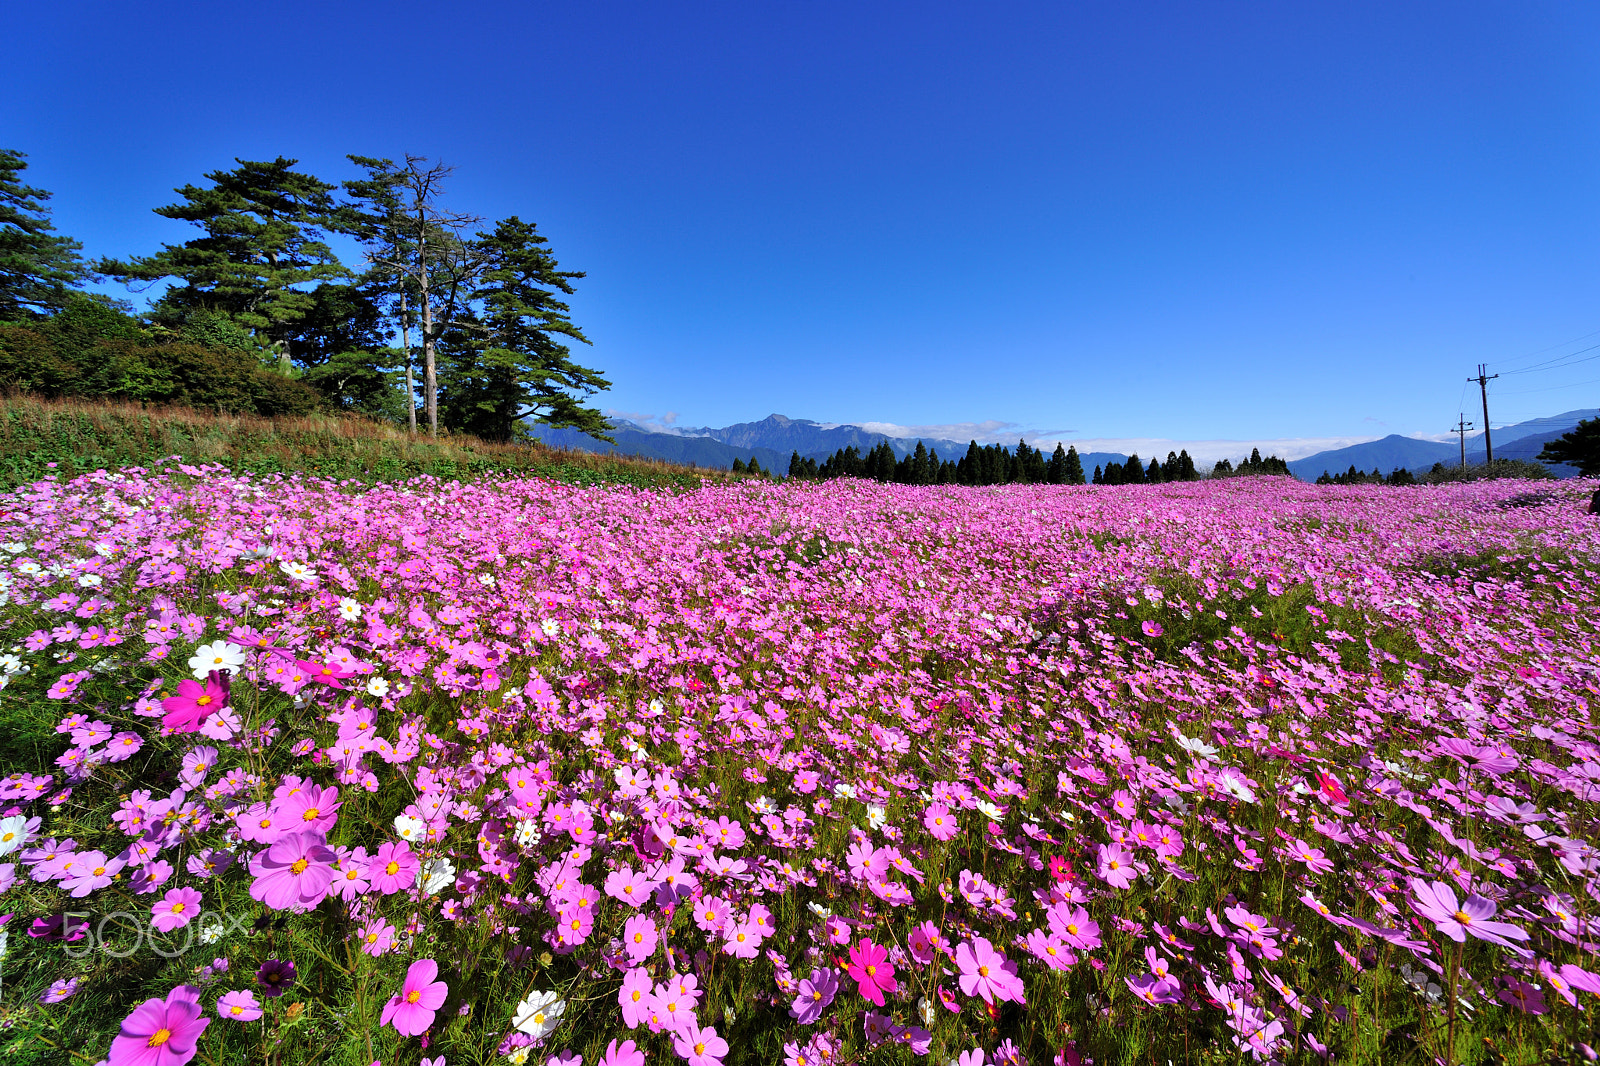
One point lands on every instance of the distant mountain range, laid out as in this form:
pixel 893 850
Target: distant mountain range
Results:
pixel 770 442
pixel 773 439
pixel 1524 440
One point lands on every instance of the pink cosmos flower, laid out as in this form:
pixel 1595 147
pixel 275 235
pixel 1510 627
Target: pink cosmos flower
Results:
pixel 816 995
pixel 872 970
pixel 1436 901
pixel 701 1047
pixel 635 998
pixel 1074 926
pixel 940 822
pixel 1154 989
pixel 394 868
pixel 308 807
pixel 294 872
pixel 194 703
pixel 411 1011
pixel 629 887
pixel 1116 866
pixel 639 937
pixel 1050 950
pixel 987 973
pixel 1314 858
pixel 1151 629
pixel 331 674
pixel 161 1033
pixel 741 940
pixel 624 1054
pixel 376 937
pixel 175 910
pixel 239 1006
pixel 88 871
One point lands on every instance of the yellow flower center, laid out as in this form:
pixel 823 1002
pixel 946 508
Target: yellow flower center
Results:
pixel 159 1037
pixel 299 866
pixel 413 995
pixel 392 869
pixel 177 908
pixel 983 971
pixel 871 970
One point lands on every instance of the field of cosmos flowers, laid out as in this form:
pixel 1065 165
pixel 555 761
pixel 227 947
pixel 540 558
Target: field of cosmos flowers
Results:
pixel 306 771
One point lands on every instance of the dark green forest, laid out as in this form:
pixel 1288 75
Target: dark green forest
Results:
pixel 1024 464
pixel 255 314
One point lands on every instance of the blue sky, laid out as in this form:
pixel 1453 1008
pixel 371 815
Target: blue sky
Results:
pixel 1188 221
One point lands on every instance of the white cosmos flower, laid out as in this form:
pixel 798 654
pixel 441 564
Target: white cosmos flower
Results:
pixel 29 568
pixel 1195 747
pixel 298 571
pixel 551 628
pixel 89 581
pixel 103 547
pixel 486 580
pixel 10 663
pixel 349 609
pixel 876 816
pixel 989 810
pixel 538 1014
pixel 528 833
pixel 378 687
pixel 1232 782
pixel 13 833
pixel 437 875
pixel 409 828
pixel 218 655
pixel 15 549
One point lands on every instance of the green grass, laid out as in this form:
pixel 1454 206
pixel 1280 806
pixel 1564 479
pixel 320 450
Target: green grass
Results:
pixel 39 438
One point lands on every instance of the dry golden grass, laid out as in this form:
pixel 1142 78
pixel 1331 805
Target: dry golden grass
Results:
pixel 79 436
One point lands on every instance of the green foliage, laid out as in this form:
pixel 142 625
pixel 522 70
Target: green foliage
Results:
pixel 1580 447
pixel 1500 468
pixel 505 363
pixel 38 268
pixel 263 243
pixel 91 350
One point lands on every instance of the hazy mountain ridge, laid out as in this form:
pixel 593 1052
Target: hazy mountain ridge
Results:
pixel 1524 440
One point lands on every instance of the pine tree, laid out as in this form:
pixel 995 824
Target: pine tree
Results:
pixel 1186 470
pixel 797 466
pixel 1133 470
pixel 504 362
pixel 1170 468
pixel 1153 475
pixel 1074 467
pixel 1056 472
pixel 262 249
pixel 38 267
pixel 738 465
pixel 1099 478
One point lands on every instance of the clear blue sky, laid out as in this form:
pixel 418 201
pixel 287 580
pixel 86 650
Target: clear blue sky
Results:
pixel 1185 220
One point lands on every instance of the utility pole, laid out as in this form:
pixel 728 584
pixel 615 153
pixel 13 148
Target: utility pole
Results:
pixel 1483 387
pixel 1460 429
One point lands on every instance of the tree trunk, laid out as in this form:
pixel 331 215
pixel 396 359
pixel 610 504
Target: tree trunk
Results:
pixel 430 379
pixel 405 343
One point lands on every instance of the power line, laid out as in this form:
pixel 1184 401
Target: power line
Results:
pixel 1556 363
pixel 1553 347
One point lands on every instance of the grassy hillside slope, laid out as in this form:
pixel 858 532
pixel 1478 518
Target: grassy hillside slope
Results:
pixel 70 437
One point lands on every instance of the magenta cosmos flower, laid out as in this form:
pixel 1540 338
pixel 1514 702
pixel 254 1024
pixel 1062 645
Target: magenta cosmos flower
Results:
pixel 161 1033
pixel 1436 901
pixel 175 910
pixel 296 870
pixel 872 970
pixel 394 868
pixel 194 703
pixel 239 1006
pixel 702 1047
pixel 411 1011
pixel 987 973
pixel 1116 866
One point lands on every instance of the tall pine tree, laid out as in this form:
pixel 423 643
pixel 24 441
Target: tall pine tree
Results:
pixel 38 267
